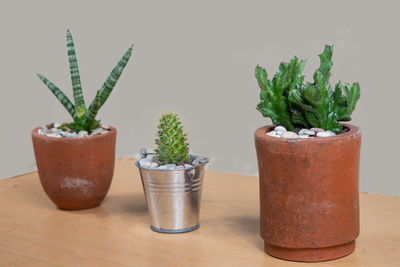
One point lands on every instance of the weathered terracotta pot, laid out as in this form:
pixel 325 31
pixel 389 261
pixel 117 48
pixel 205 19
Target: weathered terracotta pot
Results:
pixel 75 173
pixel 309 195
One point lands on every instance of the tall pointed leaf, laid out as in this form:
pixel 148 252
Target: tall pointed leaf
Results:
pixel 80 107
pixel 60 96
pixel 93 109
pixel 112 79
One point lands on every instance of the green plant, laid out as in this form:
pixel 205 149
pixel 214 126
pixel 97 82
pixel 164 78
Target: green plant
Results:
pixel 290 102
pixel 172 141
pixel 85 118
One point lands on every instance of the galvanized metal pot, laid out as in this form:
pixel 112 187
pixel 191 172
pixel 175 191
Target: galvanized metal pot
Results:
pixel 173 196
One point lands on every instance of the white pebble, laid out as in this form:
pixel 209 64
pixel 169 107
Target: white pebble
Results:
pixel 150 157
pixel 180 167
pixel 105 126
pixel 170 166
pixel 280 128
pixel 56 124
pixel 54 135
pixel 153 165
pixel 306 131
pixel 188 166
pixel 146 164
pixel 324 134
pixel 303 136
pixel 271 133
pixel 141 161
pixel 163 167
pixel 289 135
pixel 317 130
pixel 279 132
pixel 83 133
pixel 332 133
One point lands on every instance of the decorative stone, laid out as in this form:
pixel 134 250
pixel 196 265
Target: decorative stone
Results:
pixel 170 166
pixel 163 167
pixel 56 124
pixel 83 133
pixel 188 166
pixel 332 133
pixel 54 135
pixel 141 161
pixel 280 128
pixel 297 130
pixel 150 157
pixel 317 130
pixel 271 133
pixel 105 126
pixel 289 135
pixel 279 133
pixel 146 164
pixel 324 134
pixel 303 136
pixel 180 167
pixel 153 165
pixel 306 131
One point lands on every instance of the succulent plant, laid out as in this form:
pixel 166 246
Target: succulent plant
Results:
pixel 85 118
pixel 290 102
pixel 171 141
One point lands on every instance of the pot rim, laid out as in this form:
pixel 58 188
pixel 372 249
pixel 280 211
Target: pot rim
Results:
pixel 63 139
pixel 262 133
pixel 202 160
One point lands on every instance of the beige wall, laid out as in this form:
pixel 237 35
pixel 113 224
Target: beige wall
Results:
pixel 197 58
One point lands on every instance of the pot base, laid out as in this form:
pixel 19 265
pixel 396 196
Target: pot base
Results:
pixel 310 254
pixel 177 231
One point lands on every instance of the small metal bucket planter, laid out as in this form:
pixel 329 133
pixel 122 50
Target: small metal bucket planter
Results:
pixel 173 196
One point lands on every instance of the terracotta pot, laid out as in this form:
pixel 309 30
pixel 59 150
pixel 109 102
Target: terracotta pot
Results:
pixel 75 173
pixel 309 195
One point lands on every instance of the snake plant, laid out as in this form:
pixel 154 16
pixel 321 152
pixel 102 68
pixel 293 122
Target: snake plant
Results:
pixel 290 102
pixel 85 117
pixel 172 141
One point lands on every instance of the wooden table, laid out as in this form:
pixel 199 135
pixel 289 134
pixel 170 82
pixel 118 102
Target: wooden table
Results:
pixel 33 232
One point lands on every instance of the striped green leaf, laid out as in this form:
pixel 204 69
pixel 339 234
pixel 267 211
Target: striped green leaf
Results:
pixel 80 107
pixel 93 109
pixel 112 79
pixel 60 96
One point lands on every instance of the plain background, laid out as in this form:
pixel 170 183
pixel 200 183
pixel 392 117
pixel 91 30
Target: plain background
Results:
pixel 197 58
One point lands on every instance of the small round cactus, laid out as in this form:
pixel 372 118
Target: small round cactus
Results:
pixel 172 141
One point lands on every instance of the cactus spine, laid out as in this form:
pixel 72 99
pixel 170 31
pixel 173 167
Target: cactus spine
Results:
pixel 171 141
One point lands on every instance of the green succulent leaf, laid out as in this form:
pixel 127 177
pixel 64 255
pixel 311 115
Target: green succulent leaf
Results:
pixel 92 111
pixel 80 107
pixel 273 95
pixel 290 102
pixel 112 79
pixel 172 146
pixel 85 118
pixel 60 95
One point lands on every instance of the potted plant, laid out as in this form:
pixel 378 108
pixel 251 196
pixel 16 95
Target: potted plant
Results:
pixel 172 179
pixel 75 160
pixel 308 163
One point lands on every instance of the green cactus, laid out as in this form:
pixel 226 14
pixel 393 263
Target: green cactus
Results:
pixel 172 141
pixel 293 103
pixel 85 118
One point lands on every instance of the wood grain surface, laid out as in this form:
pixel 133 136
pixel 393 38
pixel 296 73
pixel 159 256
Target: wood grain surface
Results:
pixel 33 232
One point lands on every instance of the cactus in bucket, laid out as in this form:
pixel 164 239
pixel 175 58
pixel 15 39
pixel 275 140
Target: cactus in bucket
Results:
pixel 290 102
pixel 172 146
pixel 85 118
